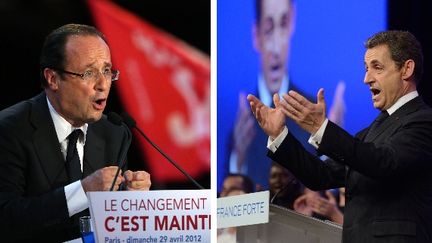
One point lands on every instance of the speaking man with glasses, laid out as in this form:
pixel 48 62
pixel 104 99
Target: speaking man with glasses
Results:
pixel 58 145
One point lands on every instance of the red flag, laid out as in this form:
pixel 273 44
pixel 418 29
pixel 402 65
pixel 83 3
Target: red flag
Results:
pixel 165 85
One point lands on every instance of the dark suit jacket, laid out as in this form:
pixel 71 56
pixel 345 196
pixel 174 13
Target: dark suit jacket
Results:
pixel 388 179
pixel 33 174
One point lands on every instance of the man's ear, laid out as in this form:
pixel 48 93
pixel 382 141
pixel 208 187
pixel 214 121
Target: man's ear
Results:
pixel 51 78
pixel 408 69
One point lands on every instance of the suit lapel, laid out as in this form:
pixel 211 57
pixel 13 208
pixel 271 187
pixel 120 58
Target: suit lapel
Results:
pixel 50 156
pixel 94 151
pixel 393 121
pixel 380 129
pixel 46 142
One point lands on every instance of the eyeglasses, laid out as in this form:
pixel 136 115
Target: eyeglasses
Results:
pixel 93 74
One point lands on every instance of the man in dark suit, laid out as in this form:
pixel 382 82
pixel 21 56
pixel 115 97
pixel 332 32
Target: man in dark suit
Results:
pixel 386 168
pixel 43 174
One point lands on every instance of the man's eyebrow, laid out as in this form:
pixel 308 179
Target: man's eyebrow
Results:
pixel 374 62
pixel 91 65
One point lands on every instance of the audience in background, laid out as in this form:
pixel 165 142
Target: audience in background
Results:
pixel 237 181
pixel 322 205
pixel 284 187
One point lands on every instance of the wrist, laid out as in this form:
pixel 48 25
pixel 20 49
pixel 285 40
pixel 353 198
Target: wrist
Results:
pixel 277 133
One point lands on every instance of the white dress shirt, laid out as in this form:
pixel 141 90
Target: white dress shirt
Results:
pixel 75 196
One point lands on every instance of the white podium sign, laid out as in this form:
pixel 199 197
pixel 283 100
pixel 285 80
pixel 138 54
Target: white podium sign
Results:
pixel 151 216
pixel 246 209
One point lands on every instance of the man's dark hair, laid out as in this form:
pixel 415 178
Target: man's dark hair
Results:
pixel 403 46
pixel 53 50
pixel 247 183
pixel 258 9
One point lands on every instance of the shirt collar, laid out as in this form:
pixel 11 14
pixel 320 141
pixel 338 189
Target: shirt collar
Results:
pixel 402 101
pixel 64 128
pixel 264 94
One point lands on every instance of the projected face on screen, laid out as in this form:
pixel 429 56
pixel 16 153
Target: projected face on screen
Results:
pixel 268 46
pixel 272 36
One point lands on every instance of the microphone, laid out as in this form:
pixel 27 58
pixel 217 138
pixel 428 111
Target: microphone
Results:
pixel 130 122
pixel 117 120
pixel 283 189
pixel 278 192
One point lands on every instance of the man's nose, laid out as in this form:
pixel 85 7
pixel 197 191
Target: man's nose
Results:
pixel 102 82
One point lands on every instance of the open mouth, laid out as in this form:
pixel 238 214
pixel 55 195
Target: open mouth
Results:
pixel 100 101
pixel 275 71
pixel 375 92
pixel 275 67
pixel 99 104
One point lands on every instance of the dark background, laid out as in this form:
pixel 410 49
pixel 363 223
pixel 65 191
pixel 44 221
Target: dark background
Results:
pixel 25 23
pixel 416 17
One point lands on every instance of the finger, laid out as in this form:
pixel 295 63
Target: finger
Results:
pixel 298 201
pixel 276 100
pixel 119 179
pixel 253 103
pixel 110 168
pixel 294 103
pixel 300 99
pixel 315 207
pixel 110 171
pixel 288 109
pixel 108 183
pixel 128 174
pixel 320 96
pixel 139 185
pixel 141 176
pixel 252 98
pixel 258 114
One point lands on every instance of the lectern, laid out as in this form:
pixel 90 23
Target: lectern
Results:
pixel 289 226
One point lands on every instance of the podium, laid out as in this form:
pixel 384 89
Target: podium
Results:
pixel 151 216
pixel 289 226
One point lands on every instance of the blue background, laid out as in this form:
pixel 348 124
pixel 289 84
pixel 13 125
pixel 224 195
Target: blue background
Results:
pixel 327 47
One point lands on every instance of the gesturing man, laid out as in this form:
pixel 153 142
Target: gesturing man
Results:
pixel 387 167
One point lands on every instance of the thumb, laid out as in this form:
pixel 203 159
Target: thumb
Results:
pixel 253 101
pixel 320 96
pixel 252 98
pixel 276 99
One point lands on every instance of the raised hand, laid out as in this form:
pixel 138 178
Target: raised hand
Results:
pixel 307 115
pixel 327 207
pixel 271 120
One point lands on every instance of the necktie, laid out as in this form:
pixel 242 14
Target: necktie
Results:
pixel 376 123
pixel 73 164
